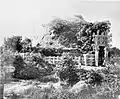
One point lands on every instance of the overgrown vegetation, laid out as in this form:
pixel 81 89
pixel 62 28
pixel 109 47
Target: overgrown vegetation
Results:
pixel 31 66
pixel 68 71
pixel 78 34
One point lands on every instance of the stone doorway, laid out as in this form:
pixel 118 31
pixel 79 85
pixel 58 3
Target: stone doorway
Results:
pixel 101 55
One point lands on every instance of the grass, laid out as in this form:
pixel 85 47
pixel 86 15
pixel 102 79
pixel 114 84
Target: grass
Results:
pixel 52 93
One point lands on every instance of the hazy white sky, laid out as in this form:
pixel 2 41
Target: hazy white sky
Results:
pixel 25 17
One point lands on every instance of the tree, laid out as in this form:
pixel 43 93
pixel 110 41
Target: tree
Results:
pixel 76 32
pixel 13 43
pixel 65 31
pixel 114 52
pixel 27 45
pixel 113 55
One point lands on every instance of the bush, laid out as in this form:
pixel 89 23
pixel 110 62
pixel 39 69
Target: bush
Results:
pixel 19 65
pixel 31 66
pixel 13 43
pixel 29 72
pixel 68 72
pixel 95 78
pixel 105 82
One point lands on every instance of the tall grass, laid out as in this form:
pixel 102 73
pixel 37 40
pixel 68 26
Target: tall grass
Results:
pixel 52 93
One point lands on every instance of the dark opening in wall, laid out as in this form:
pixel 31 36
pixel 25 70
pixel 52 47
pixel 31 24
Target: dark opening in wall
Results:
pixel 101 55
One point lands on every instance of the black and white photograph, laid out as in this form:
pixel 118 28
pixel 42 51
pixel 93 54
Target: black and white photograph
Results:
pixel 59 49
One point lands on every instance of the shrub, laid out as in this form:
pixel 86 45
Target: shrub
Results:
pixel 29 72
pixel 68 72
pixel 13 43
pixel 95 78
pixel 18 63
pixel 31 66
pixel 105 82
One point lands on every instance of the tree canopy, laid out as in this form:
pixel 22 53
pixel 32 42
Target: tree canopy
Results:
pixel 114 52
pixel 76 32
pixel 13 43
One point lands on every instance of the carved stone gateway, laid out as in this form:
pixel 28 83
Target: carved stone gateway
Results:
pixel 99 54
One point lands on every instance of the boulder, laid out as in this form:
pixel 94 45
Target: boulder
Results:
pixel 79 86
pixel 18 89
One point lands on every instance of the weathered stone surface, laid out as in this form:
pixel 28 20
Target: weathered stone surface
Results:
pixel 79 86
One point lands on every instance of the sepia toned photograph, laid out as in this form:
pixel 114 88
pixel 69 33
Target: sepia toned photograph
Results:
pixel 59 49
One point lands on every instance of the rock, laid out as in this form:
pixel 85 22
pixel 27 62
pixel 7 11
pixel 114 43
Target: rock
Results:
pixel 57 86
pixel 79 86
pixel 18 89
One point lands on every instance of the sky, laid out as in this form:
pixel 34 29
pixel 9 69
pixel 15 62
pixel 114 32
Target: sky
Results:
pixel 25 17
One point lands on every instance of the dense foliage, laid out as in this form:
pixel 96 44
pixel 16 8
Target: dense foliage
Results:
pixel 114 52
pixel 31 66
pixel 76 32
pixel 20 45
pixel 105 82
pixel 13 43
pixel 68 71
pixel 19 64
pixel 68 33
